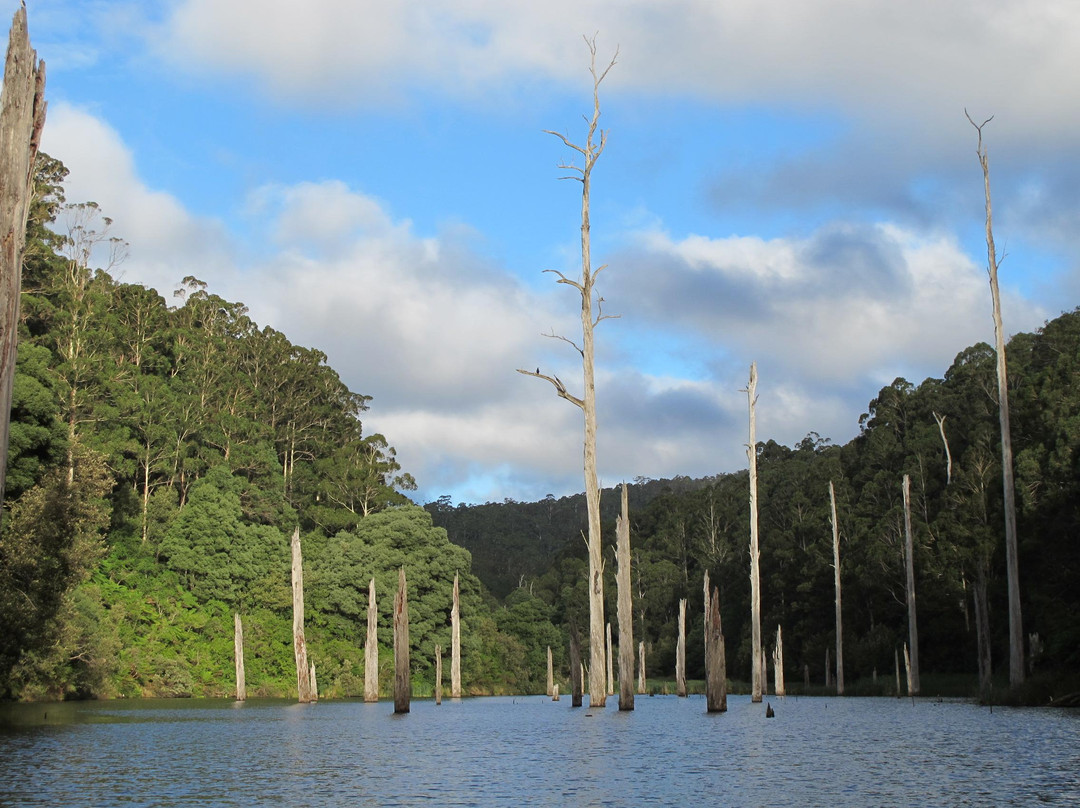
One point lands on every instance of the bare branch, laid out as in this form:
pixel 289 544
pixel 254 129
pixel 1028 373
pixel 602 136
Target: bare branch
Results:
pixel 564 279
pixel 553 335
pixel 556 382
pixel 565 140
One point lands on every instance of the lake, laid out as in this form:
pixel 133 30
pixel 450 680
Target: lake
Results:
pixel 530 750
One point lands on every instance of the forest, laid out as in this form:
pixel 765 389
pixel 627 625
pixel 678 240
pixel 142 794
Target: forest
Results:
pixel 160 455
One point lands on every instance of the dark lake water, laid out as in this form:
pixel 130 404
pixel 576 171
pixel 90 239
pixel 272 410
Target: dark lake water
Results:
pixel 531 751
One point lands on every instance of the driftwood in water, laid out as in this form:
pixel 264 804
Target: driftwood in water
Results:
pixel 715 657
pixel 303 670
pixel 238 655
pixel 455 642
pixel 371 649
pixel 21 120
pixel 680 652
pixel 610 663
pixel 778 664
pixel 624 607
pixel 550 673
pixel 641 668
pixel 576 676
pixel 438 674
pixel 909 562
pixel 402 681
pixel 836 580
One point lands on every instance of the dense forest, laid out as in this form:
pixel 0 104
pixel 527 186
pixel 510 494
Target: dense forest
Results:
pixel 161 454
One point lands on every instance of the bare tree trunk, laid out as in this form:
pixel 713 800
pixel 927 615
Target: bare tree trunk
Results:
pixel 755 574
pixel 575 669
pixel 836 576
pixel 778 664
pixel 438 674
pixel 624 607
pixel 806 677
pixel 680 651
pixel 948 455
pixel 590 152
pixel 896 659
pixel 764 674
pixel 982 629
pixel 371 648
pixel 1012 565
pixel 550 673
pixel 303 670
pixel 610 662
pixel 641 668
pixel 913 628
pixel 238 655
pixel 555 692
pixel 22 116
pixel 911 689
pixel 314 691
pixel 455 642
pixel 402 680
pixel 828 669
pixel 715 662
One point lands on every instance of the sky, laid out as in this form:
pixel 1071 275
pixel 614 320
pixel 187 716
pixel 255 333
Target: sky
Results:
pixel 792 183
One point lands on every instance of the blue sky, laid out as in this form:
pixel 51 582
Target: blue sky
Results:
pixel 791 183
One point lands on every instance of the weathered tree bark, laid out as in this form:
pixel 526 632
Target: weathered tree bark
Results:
pixel 1012 566
pixel 371 648
pixel 715 658
pixel 755 573
pixel 836 578
pixel 314 692
pixel 590 152
pixel 550 673
pixel 22 116
pixel 238 656
pixel 982 628
pixel 303 670
pixel 610 662
pixel 624 606
pixel 575 669
pixel 438 674
pixel 402 679
pixel 641 668
pixel 911 689
pixel 455 642
pixel 680 651
pixel 909 559
pixel 778 664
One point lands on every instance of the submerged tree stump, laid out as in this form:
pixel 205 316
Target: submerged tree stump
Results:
pixel 641 668
pixel 371 648
pixel 778 664
pixel 438 674
pixel 715 657
pixel 238 655
pixel 624 606
pixel 402 681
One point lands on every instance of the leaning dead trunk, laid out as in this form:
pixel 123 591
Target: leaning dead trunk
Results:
pixel 303 670
pixel 238 654
pixel 836 579
pixel 715 657
pixel 755 574
pixel 22 116
pixel 371 648
pixel 680 651
pixel 438 674
pixel 641 668
pixel 624 607
pixel 909 559
pixel 550 673
pixel 402 681
pixel 455 642
pixel 778 664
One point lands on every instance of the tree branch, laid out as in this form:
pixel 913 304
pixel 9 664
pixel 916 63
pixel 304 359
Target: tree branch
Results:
pixel 556 382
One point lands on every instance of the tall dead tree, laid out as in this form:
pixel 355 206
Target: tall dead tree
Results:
pixel 909 562
pixel 610 662
pixel 836 578
pixel 1012 564
pixel 550 673
pixel 303 669
pixel 22 116
pixel 371 648
pixel 624 606
pixel 778 664
pixel 715 656
pixel 402 680
pixel 455 642
pixel 641 668
pixel 755 558
pixel 438 674
pixel 590 152
pixel 680 651
pixel 238 657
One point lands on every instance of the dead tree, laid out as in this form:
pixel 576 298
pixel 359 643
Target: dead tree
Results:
pixel 1012 566
pixel 680 651
pixel 22 116
pixel 836 578
pixel 909 561
pixel 303 669
pixel 402 680
pixel 438 674
pixel 590 152
pixel 238 656
pixel 948 455
pixel 778 664
pixel 624 606
pixel 610 662
pixel 550 673
pixel 313 682
pixel 641 668
pixel 371 648
pixel 575 668
pixel 755 560
pixel 715 656
pixel 455 642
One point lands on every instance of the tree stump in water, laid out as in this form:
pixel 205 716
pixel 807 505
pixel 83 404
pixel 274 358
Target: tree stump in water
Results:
pixel 402 681
pixel 715 662
pixel 438 674
pixel 575 671
pixel 371 649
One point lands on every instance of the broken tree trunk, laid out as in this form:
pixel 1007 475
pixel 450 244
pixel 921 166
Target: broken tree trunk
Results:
pixel 755 574
pixel 575 670
pixel 438 674
pixel 402 681
pixel 778 664
pixel 303 670
pixel 909 559
pixel 238 654
pixel 371 648
pixel 1012 567
pixel 22 116
pixel 715 661
pixel 455 642
pixel 624 606
pixel 550 673
pixel 680 651
pixel 641 668
pixel 836 579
